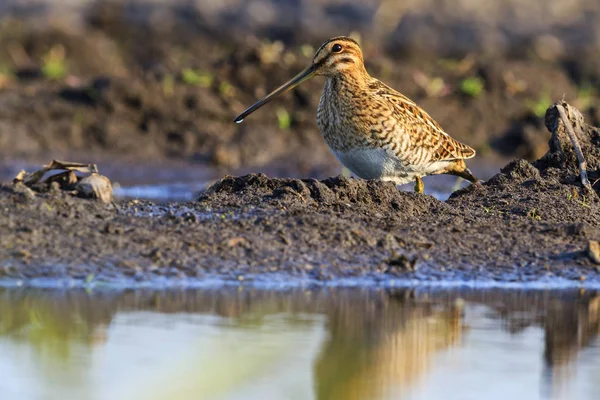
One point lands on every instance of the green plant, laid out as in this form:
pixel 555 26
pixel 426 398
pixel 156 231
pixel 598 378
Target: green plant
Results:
pixel 472 86
pixel 534 214
pixel 54 65
pixel 6 74
pixel 459 66
pixel 492 210
pixel 539 106
pixel 196 77
pixel 574 197
pixel 226 89
pixel 283 118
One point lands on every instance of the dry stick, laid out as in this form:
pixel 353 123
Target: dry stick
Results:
pixel 576 147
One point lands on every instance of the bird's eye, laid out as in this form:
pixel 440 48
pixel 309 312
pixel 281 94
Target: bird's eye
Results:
pixel 337 48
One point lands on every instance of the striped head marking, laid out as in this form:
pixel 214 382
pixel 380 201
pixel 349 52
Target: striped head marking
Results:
pixel 340 55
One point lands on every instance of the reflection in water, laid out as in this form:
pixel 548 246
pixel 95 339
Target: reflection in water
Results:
pixel 326 344
pixel 568 329
pixel 392 344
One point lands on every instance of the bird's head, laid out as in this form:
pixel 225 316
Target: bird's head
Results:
pixel 339 55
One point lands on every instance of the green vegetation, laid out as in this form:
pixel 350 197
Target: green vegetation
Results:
pixel 6 75
pixel 574 197
pixel 472 86
pixel 492 210
pixel 458 66
pixel 226 89
pixel 283 118
pixel 196 77
pixel 54 65
pixel 534 214
pixel 451 64
pixel 538 107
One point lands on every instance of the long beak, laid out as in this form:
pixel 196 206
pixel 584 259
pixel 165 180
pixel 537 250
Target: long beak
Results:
pixel 289 85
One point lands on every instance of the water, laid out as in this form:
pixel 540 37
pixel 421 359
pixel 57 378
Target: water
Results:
pixel 178 191
pixel 179 181
pixel 240 343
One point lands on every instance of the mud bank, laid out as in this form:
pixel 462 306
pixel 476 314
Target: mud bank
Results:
pixel 531 222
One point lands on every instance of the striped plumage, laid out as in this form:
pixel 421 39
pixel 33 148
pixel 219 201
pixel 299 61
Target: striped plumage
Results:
pixel 373 130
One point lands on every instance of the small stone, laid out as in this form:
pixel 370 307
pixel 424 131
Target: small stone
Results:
pixel 97 187
pixel 593 251
pixel 189 217
pixel 236 241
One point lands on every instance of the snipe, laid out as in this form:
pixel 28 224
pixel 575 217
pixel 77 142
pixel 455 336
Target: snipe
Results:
pixel 373 130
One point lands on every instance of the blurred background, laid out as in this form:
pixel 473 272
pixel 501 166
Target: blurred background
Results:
pixel 148 89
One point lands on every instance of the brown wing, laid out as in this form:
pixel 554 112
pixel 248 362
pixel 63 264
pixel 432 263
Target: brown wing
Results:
pixel 424 130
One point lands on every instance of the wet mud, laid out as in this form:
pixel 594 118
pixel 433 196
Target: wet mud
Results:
pixel 531 222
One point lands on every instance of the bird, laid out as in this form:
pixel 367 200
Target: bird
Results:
pixel 373 130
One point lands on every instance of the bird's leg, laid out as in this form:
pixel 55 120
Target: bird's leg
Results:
pixel 419 186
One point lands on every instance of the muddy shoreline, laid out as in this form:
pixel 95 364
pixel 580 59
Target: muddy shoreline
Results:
pixel 532 222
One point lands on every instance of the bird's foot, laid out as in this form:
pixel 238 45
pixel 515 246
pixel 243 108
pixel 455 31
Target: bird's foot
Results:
pixel 419 186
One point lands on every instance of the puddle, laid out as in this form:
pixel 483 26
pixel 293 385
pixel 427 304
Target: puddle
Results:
pixel 161 192
pixel 181 181
pixel 232 343
pixel 439 187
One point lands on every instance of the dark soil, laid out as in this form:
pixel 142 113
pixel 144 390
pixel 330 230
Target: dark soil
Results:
pixel 530 222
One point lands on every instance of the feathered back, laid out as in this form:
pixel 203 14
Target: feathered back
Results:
pixel 415 121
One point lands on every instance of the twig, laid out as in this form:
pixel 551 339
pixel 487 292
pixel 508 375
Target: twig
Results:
pixel 582 164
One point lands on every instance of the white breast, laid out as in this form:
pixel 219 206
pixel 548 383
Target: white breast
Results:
pixel 375 164
pixel 383 164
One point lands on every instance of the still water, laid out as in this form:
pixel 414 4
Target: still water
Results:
pixel 240 343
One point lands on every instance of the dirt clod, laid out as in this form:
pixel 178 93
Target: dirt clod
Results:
pixel 95 187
